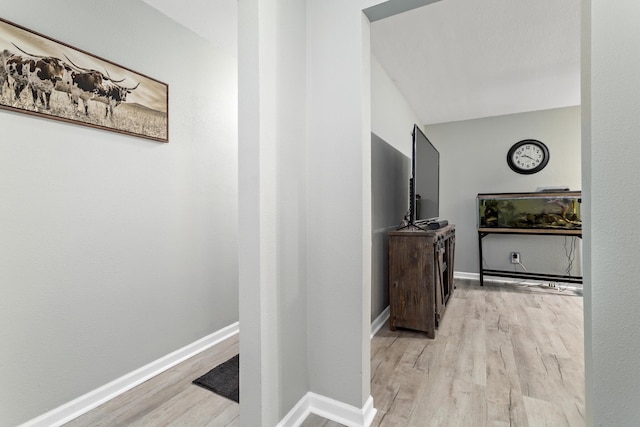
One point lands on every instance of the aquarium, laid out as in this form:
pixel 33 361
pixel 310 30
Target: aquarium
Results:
pixel 539 210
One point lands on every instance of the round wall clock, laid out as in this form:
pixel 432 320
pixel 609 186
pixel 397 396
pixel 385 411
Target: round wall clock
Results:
pixel 528 156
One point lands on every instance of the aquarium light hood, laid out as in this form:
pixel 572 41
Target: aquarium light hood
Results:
pixel 553 189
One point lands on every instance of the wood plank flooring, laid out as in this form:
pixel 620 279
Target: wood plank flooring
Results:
pixel 314 420
pixel 503 356
pixel 170 399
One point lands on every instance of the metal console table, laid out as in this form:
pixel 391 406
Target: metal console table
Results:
pixel 485 231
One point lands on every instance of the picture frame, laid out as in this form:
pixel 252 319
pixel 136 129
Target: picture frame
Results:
pixel 47 78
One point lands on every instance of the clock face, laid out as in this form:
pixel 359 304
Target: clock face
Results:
pixel 528 156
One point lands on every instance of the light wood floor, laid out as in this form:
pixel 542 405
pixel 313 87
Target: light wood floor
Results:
pixel 503 356
pixel 170 399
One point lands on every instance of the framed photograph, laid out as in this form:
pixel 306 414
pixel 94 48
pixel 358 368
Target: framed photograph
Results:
pixel 48 78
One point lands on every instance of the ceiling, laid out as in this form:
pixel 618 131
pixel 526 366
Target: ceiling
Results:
pixel 452 59
pixel 465 59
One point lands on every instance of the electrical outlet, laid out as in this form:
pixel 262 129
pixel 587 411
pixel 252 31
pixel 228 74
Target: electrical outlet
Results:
pixel 515 257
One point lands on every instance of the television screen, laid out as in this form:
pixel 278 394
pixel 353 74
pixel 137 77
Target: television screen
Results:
pixel 426 178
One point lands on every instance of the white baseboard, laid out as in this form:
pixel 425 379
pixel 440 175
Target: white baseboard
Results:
pixel 464 275
pixel 330 409
pixel 508 280
pixel 379 321
pixel 97 397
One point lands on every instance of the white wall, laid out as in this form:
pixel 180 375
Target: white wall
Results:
pixel 392 118
pixel 305 169
pixel 339 203
pixel 115 250
pixel 612 149
pixel 473 160
pixel 292 206
pixel 273 220
pixel 585 93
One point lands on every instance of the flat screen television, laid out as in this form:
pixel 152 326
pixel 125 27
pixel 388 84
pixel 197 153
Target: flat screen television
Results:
pixel 424 185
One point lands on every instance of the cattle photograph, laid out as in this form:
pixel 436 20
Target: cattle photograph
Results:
pixel 48 78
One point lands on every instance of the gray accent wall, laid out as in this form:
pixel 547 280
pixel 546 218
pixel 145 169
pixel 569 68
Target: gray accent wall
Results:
pixel 116 250
pixel 389 203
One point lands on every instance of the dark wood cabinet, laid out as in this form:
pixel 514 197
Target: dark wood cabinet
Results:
pixel 420 277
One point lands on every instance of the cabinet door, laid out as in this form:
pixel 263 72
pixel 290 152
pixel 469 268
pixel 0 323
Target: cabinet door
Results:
pixel 411 293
